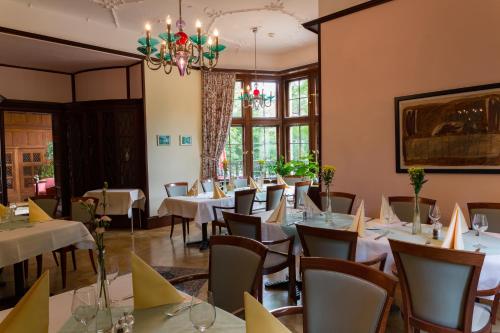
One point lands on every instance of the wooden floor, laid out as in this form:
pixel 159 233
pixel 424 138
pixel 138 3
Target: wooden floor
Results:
pixel 156 248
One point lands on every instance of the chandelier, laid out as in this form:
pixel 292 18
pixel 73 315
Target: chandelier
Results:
pixel 256 99
pixel 180 50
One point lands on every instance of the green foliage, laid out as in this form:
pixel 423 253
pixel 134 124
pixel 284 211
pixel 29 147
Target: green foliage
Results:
pixel 305 167
pixel 417 179
pixel 280 167
pixel 47 169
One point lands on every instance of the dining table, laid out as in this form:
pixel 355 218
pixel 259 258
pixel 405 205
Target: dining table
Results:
pixel 199 208
pixel 21 240
pixel 145 320
pixel 376 239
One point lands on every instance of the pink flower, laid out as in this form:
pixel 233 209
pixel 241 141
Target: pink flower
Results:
pixel 105 218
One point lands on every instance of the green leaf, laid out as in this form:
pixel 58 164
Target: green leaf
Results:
pixel 143 50
pixel 164 36
pixel 194 39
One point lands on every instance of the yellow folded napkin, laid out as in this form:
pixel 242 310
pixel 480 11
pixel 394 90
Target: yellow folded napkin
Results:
pixel 149 287
pixel 279 214
pixel 31 313
pixel 217 193
pixel 193 191
pixel 3 210
pixel 311 206
pixel 358 224
pixel 280 180
pixel 453 239
pixel 230 185
pixel 253 184
pixel 259 320
pixel 36 213
pixel 387 214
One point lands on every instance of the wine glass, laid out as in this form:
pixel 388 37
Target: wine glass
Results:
pixel 290 199
pixel 434 214
pixel 84 305
pixel 202 314
pixel 479 223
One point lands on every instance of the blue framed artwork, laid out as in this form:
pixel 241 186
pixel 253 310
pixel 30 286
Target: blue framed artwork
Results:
pixel 163 140
pixel 185 140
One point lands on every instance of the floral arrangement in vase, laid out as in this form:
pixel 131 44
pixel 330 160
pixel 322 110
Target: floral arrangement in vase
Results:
pixel 225 166
pixel 417 180
pixel 327 173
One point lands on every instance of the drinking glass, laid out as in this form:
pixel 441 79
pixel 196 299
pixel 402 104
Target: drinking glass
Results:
pixel 290 199
pixel 202 314
pixel 479 223
pixel 84 305
pixel 434 214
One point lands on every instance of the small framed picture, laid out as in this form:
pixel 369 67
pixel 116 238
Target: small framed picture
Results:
pixel 185 140
pixel 163 140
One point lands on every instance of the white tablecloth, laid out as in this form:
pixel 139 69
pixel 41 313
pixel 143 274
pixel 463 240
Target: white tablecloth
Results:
pixel 119 201
pixel 368 247
pixel 24 243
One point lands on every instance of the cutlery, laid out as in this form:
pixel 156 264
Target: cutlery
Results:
pixel 383 235
pixel 180 309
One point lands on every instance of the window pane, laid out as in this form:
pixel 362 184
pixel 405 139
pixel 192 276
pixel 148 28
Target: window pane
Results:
pixel 233 152
pixel 268 88
pixel 237 107
pixel 265 147
pixel 293 90
pixel 304 107
pixel 304 88
pixel 293 107
pixel 299 142
pixel 298 98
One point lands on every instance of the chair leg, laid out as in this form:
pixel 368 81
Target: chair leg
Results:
pixel 26 265
pixel 63 268
pixel 184 230
pixel 55 258
pixel 260 289
pixel 172 222
pixel 92 261
pixel 214 229
pixel 292 290
pixel 73 258
pixel 39 265
pixel 187 224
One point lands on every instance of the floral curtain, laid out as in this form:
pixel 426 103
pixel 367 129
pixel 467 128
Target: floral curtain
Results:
pixel 218 95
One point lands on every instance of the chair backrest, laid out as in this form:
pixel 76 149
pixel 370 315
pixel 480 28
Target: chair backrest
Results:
pixel 240 182
pixel 48 203
pixel 341 202
pixel 490 209
pixel 327 243
pixel 291 180
pixel 176 189
pixel 207 185
pixel 358 295
pixel 403 208
pixel 79 212
pixel 438 285
pixel 243 201
pixel 235 267
pixel 301 189
pixel 273 196
pixel 243 225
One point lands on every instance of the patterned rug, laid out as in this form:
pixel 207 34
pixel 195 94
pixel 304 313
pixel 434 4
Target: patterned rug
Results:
pixel 191 287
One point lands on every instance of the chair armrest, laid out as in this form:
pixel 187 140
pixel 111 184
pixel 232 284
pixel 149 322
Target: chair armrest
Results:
pixel 489 292
pixel 187 278
pixel 280 241
pixel 379 259
pixel 214 210
pixel 287 311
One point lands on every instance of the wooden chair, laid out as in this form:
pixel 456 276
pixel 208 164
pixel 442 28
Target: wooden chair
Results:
pixel 444 303
pixel 301 189
pixel 78 213
pixel 177 190
pixel 334 244
pixel 490 209
pixel 207 185
pixel 273 197
pixel 250 227
pixel 341 202
pixel 403 208
pixel 342 296
pixel 235 266
pixel 243 204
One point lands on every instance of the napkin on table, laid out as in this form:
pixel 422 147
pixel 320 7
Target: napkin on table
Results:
pixel 311 206
pixel 31 313
pixel 149 287
pixel 279 214
pixel 253 184
pixel 259 320
pixel 453 239
pixel 358 224
pixel 387 214
pixel 3 210
pixel 36 213
pixel 218 194
pixel 193 191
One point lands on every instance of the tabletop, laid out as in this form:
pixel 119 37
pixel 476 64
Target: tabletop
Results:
pixel 119 201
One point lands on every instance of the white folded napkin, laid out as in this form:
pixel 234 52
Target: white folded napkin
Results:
pixel 279 214
pixel 193 191
pixel 253 184
pixel 311 206
pixel 387 214
pixel 453 239
pixel 358 224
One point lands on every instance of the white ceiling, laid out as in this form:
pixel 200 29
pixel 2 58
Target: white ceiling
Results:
pixel 233 18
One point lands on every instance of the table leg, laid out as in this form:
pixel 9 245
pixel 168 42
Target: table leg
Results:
pixel 19 279
pixel 132 223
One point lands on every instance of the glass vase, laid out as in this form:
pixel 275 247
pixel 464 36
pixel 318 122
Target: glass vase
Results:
pixel 416 226
pixel 224 183
pixel 104 320
pixel 328 209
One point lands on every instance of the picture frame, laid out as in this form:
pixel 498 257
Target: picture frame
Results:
pixel 449 131
pixel 185 140
pixel 163 140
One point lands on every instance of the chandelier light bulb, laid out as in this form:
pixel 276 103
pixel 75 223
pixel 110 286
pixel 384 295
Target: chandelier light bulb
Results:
pixel 210 42
pixel 147 27
pixel 198 24
pixel 216 33
pixel 169 20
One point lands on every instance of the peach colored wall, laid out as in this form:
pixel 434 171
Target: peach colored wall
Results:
pixel 101 84
pixel 23 84
pixel 400 48
pixel 135 77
